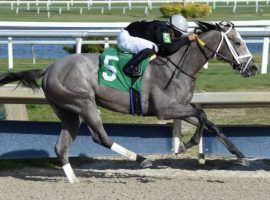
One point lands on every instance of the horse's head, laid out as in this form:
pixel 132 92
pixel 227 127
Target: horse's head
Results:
pixel 232 48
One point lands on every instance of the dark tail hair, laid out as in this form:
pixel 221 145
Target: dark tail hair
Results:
pixel 26 78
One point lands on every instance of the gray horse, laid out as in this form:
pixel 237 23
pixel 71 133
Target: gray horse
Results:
pixel 71 87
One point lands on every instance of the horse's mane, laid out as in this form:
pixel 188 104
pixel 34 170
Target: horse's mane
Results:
pixel 208 26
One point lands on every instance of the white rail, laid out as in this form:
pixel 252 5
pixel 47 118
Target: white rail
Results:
pixel 113 25
pixel 259 28
pixel 203 100
pixel 8 94
pixel 118 1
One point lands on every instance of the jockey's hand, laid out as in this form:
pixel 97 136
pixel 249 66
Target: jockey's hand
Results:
pixel 192 36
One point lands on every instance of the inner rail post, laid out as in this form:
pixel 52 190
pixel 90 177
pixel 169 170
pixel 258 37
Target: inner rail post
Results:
pixel 265 55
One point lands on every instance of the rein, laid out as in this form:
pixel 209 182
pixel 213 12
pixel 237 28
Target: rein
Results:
pixel 179 67
pixel 215 52
pixel 225 38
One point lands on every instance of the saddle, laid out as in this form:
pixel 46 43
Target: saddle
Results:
pixel 111 73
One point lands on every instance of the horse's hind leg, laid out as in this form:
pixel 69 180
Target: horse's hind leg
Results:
pixel 228 144
pixel 210 126
pixel 99 135
pixel 70 123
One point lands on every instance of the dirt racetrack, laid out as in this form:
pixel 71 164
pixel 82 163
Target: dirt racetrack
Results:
pixel 170 178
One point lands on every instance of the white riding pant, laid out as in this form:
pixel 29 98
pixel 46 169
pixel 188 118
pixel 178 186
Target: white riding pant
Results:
pixel 130 44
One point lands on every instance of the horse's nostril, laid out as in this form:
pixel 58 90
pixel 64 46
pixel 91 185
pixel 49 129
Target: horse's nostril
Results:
pixel 245 73
pixel 254 67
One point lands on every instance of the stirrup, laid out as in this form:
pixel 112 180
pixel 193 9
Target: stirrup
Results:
pixel 132 71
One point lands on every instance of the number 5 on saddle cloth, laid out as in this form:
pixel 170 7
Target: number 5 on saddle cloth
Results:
pixel 111 74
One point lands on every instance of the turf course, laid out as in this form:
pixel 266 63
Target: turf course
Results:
pixel 81 13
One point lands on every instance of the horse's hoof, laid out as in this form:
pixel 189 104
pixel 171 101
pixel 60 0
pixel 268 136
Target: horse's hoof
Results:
pixel 76 181
pixel 182 149
pixel 201 159
pixel 243 161
pixel 146 163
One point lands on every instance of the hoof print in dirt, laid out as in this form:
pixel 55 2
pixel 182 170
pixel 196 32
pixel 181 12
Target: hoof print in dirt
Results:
pixel 182 149
pixel 146 163
pixel 243 161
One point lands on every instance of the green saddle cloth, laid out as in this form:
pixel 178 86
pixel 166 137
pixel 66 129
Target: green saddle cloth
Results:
pixel 110 73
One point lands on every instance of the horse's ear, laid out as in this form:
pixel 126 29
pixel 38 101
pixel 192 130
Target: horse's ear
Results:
pixel 201 25
pixel 206 26
pixel 223 24
pixel 219 27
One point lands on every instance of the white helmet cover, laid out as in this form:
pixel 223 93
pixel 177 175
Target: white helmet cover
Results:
pixel 179 23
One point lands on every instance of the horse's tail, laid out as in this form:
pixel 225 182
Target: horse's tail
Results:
pixel 26 78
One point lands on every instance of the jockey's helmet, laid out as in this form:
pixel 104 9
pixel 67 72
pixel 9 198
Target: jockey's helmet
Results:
pixel 178 23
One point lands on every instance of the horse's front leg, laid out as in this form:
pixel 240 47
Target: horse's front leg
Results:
pixel 228 144
pixel 210 126
pixel 195 139
pixel 179 146
pixel 178 111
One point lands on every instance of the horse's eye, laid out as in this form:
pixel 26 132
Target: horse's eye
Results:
pixel 237 43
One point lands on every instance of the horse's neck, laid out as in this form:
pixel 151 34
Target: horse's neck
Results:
pixel 196 57
pixel 164 73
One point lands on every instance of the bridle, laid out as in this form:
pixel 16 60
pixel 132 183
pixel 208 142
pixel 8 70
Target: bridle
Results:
pixel 236 61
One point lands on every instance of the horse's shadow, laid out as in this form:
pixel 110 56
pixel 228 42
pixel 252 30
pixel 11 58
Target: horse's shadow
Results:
pixel 190 164
pixel 108 168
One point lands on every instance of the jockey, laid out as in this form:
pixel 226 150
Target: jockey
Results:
pixel 146 38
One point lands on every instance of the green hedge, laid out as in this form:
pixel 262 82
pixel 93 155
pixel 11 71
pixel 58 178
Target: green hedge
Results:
pixel 89 48
pixel 191 10
pixel 171 9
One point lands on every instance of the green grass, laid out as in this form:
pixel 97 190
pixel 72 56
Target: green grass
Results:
pixel 116 13
pixel 25 64
pixel 73 15
pixel 242 13
pixel 221 77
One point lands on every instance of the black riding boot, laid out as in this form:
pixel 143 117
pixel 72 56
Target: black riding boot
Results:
pixel 132 68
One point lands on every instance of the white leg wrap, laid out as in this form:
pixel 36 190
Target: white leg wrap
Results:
pixel 123 151
pixel 69 173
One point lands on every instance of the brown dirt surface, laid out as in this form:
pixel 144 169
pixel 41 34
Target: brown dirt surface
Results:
pixel 170 177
